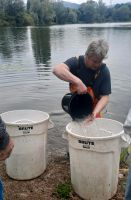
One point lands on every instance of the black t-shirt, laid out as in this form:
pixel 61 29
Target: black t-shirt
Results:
pixel 99 79
pixel 4 137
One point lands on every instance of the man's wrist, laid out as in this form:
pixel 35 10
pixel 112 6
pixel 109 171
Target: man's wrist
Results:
pixel 94 115
pixel 77 81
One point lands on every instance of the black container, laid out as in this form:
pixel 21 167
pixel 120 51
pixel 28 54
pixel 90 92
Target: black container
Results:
pixel 78 106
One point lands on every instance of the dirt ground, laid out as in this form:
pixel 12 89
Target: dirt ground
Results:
pixel 57 171
pixel 44 186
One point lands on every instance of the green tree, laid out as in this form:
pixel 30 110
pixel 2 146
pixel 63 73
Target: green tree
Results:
pixel 13 7
pixel 34 9
pixel 108 14
pixel 60 13
pixel 48 12
pixel 88 11
pixel 41 10
pixel 28 20
pixel 44 12
pixel 122 13
pixel 101 11
pixel 71 16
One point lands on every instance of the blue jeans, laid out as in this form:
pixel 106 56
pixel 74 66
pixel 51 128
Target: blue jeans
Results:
pixel 128 186
pixel 1 190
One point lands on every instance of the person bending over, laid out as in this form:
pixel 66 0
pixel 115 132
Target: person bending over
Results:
pixel 88 73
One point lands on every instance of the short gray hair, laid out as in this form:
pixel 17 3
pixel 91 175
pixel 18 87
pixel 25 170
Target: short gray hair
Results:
pixel 97 49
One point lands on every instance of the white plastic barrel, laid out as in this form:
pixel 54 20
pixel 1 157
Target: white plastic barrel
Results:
pixel 28 129
pixel 94 157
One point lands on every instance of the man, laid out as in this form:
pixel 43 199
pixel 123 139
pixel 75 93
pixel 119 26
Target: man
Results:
pixel 87 73
pixel 6 146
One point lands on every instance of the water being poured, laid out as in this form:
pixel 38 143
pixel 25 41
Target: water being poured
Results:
pixel 90 129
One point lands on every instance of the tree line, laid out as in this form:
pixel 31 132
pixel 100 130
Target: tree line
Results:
pixel 48 12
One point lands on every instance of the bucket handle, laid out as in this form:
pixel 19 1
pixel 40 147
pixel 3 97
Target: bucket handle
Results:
pixel 65 135
pixel 50 124
pixel 125 140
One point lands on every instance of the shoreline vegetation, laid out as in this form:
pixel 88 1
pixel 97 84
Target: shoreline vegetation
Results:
pixel 48 12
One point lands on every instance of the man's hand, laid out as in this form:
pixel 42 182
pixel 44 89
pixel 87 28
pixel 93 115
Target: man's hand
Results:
pixel 89 119
pixel 81 87
pixel 4 154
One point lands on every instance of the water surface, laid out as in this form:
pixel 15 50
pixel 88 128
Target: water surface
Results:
pixel 28 54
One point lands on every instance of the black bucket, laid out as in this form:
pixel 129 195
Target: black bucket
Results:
pixel 78 106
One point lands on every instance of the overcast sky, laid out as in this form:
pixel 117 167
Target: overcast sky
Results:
pixel 107 2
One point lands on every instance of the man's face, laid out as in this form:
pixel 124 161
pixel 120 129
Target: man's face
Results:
pixel 93 62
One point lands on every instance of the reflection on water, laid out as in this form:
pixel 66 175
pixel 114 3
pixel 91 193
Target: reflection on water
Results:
pixel 27 56
pixel 12 40
pixel 41 45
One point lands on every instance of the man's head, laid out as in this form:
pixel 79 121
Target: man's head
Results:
pixel 95 53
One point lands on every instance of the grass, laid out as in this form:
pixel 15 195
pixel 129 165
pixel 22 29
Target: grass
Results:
pixel 63 190
pixel 124 155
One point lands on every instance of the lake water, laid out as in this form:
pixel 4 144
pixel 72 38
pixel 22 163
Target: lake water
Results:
pixel 28 54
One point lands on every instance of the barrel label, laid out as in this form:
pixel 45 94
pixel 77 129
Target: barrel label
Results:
pixel 86 143
pixel 25 129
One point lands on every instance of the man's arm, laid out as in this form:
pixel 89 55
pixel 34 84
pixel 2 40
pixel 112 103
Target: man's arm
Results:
pixel 62 72
pixel 100 105
pixel 98 108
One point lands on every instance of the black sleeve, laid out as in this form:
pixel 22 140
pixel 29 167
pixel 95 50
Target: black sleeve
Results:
pixel 105 88
pixel 72 63
pixel 4 137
